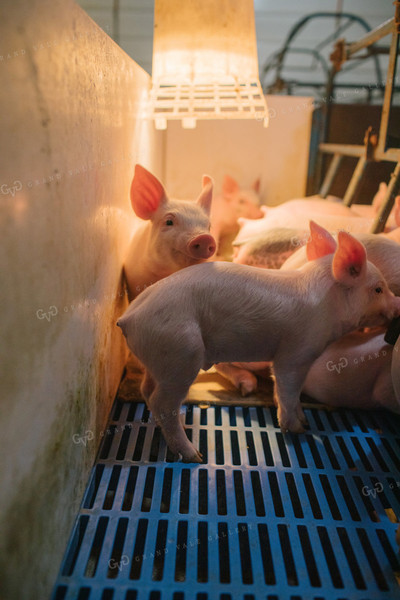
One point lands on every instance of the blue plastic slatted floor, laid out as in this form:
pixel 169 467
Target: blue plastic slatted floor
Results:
pixel 267 516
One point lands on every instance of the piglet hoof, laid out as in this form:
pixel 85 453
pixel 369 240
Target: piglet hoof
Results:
pixel 292 424
pixel 297 428
pixel 196 457
pixel 302 418
pixel 247 387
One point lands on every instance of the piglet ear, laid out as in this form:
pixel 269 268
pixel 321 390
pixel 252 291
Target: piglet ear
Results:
pixel 320 243
pixel 256 186
pixel 349 264
pixel 205 198
pixel 146 193
pixel 229 186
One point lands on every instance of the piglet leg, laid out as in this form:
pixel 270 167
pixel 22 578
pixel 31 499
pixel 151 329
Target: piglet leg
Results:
pixel 164 404
pixel 288 385
pixel 147 386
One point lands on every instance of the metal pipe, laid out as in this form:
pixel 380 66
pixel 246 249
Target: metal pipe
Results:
pixel 387 101
pixel 278 58
pixel 389 155
pixel 344 149
pixel 370 38
pixel 330 175
pixel 387 204
pixel 355 181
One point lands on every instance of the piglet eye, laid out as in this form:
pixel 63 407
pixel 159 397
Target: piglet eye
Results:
pixel 169 222
pixel 378 290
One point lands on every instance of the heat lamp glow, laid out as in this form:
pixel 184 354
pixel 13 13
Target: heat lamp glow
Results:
pixel 205 63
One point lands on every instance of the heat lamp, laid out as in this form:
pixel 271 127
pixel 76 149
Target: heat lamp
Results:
pixel 205 63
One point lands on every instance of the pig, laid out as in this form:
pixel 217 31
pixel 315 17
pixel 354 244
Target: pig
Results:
pixel 355 372
pixel 269 249
pixel 383 250
pixel 233 203
pixel 224 312
pixel 394 234
pixel 244 375
pixel 273 247
pixel 176 233
pixel 295 214
pixel 369 210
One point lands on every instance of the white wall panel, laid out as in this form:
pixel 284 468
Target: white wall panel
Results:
pixel 245 150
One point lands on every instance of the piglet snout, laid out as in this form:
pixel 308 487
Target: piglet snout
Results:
pixel 392 310
pixel 202 246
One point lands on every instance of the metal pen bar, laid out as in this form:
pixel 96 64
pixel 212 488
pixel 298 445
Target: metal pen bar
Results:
pixel 370 151
pixel 355 181
pixel 344 149
pixel 389 155
pixel 387 101
pixel 331 174
pixel 387 204
pixel 370 38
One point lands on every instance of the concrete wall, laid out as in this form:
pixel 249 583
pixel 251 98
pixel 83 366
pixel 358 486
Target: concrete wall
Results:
pixel 70 102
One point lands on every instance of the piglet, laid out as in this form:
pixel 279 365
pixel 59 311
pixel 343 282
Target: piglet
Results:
pixel 224 312
pixel 355 372
pixel 370 211
pixel 273 247
pixel 227 208
pixel 383 250
pixel 394 234
pixel 295 214
pixel 176 233
pixel 269 249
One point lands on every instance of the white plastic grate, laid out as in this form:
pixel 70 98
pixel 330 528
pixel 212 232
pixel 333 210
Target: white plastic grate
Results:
pixel 267 516
pixel 207 101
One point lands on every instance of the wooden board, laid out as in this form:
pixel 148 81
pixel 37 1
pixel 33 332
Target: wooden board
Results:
pixel 209 388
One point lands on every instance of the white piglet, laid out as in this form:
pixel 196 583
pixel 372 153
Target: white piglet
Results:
pixel 354 371
pixel 224 312
pixel 232 204
pixel 175 234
